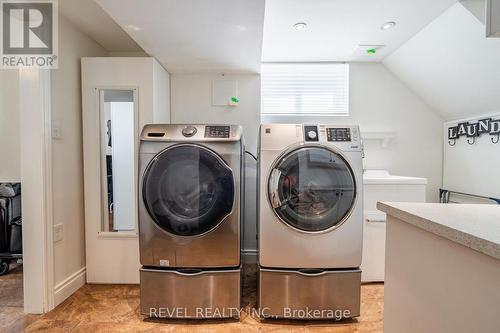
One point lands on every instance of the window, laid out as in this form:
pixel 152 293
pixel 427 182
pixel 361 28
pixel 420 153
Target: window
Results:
pixel 305 89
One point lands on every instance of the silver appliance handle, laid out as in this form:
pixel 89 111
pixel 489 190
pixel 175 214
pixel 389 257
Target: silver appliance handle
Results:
pixel 186 272
pixel 311 272
pixel 273 188
pixel 376 219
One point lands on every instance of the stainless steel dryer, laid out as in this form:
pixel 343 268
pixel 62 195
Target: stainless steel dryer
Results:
pixel 190 219
pixel 310 220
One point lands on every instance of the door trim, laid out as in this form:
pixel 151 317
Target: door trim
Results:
pixel 36 179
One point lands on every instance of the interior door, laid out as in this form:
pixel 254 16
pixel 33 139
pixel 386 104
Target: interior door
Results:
pixel 188 190
pixel 312 189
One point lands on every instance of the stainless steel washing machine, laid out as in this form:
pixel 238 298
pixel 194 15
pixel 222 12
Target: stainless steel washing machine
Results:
pixel 310 220
pixel 190 220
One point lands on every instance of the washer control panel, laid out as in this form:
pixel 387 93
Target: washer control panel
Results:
pixel 311 133
pixel 338 134
pixel 217 131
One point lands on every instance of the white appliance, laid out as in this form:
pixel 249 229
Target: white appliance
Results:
pixel 190 218
pixel 310 218
pixel 379 185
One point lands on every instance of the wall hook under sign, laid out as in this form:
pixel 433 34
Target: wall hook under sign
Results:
pixel 495 141
pixel 471 142
pixel 452 142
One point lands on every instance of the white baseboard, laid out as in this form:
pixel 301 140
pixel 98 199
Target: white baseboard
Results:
pixel 69 285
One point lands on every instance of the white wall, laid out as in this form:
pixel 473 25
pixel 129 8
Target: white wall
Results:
pixel 451 65
pixel 191 102
pixel 10 168
pixel 161 94
pixel 381 102
pixel 67 160
pixel 378 102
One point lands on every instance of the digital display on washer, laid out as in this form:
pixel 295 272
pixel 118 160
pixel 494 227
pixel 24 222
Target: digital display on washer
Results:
pixel 217 131
pixel 338 134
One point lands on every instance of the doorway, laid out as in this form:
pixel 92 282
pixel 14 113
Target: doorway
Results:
pixel 11 268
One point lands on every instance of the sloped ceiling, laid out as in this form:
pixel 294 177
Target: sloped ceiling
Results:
pixel 440 52
pixel 195 35
pixel 451 65
pixel 477 8
pixel 96 23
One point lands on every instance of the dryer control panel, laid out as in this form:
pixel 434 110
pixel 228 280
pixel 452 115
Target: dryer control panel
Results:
pixel 338 134
pixel 217 131
pixel 331 133
pixel 346 137
pixel 191 133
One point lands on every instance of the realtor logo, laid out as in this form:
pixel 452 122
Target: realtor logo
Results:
pixel 29 33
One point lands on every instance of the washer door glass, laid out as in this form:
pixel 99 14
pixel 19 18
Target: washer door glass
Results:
pixel 312 189
pixel 188 190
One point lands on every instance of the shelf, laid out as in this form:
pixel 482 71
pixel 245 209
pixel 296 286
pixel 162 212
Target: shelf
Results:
pixel 385 138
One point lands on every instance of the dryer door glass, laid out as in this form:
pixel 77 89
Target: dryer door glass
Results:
pixel 188 190
pixel 312 189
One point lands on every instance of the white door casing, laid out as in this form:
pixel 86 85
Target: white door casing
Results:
pixel 36 180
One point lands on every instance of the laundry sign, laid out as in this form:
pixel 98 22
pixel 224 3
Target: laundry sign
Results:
pixel 471 130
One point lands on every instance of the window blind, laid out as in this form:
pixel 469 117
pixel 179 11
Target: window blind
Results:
pixel 305 89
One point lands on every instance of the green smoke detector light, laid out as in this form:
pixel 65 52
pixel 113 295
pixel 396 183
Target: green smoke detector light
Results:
pixel 371 51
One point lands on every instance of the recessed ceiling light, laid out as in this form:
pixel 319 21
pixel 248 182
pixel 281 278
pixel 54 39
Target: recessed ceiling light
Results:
pixel 299 26
pixel 133 27
pixel 388 25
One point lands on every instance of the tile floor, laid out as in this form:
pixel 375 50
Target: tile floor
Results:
pixel 115 308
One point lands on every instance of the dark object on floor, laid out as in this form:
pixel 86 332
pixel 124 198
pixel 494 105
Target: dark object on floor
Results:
pixel 10 226
pixel 4 267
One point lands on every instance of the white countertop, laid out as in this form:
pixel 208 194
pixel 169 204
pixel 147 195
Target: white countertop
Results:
pixel 474 226
pixel 384 177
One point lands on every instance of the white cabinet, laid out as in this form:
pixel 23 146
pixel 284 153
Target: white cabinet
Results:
pixel 379 185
